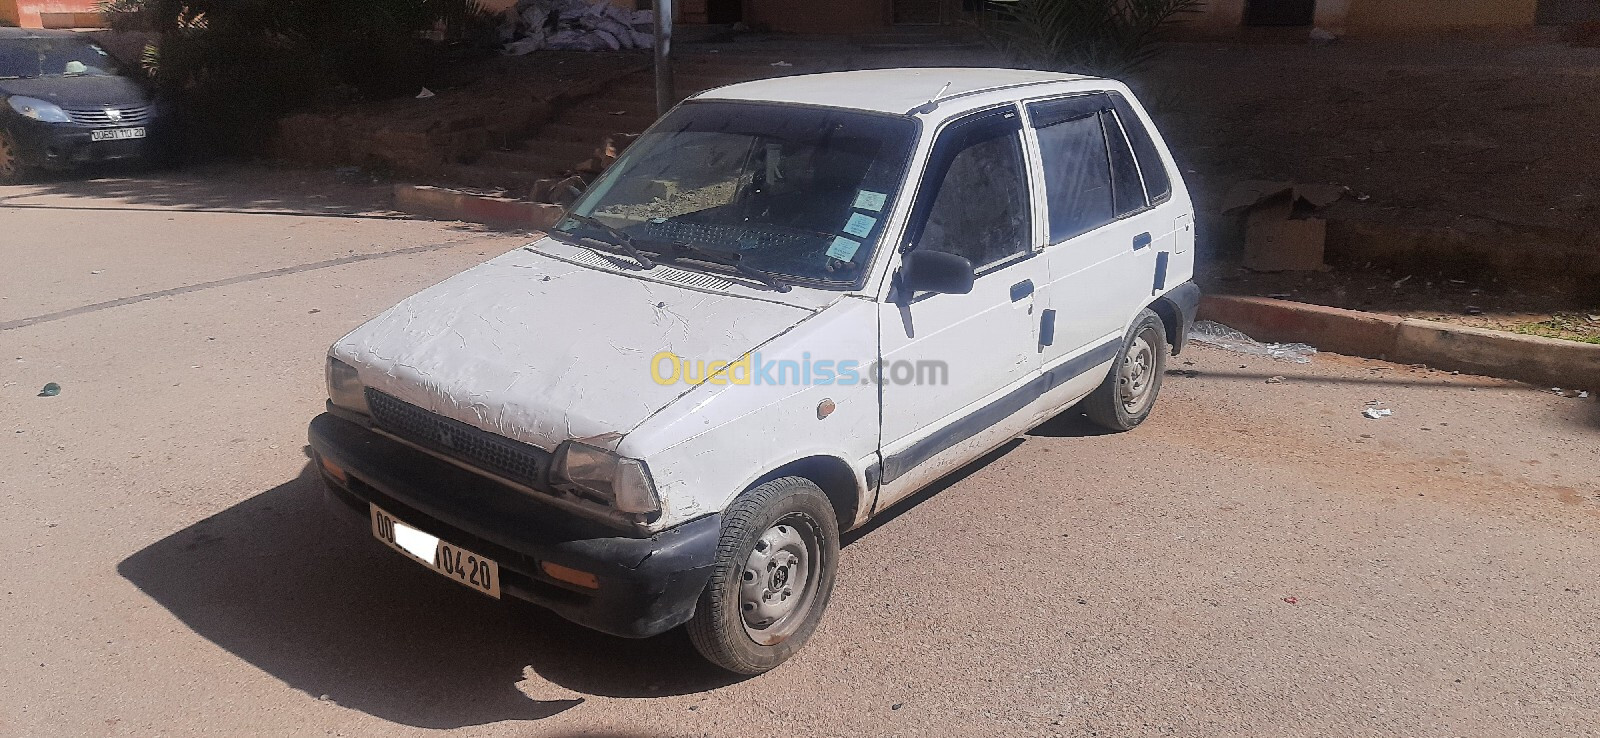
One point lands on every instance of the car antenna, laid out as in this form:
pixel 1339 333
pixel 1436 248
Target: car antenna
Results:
pixel 931 104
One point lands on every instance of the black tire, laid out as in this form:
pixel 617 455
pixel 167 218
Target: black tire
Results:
pixel 1125 399
pixel 720 628
pixel 12 169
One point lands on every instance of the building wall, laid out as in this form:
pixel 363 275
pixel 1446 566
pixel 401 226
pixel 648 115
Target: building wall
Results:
pixel 50 13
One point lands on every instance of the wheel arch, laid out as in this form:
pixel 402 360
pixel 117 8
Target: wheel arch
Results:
pixel 832 475
pixel 1177 308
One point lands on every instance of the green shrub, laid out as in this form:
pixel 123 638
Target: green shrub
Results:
pixel 1107 38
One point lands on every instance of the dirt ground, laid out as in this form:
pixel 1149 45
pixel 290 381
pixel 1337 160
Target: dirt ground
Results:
pixel 1257 559
pixel 1473 167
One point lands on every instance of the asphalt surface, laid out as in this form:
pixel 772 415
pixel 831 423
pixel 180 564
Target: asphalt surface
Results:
pixel 1258 559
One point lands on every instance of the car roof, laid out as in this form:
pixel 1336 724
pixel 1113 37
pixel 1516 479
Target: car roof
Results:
pixel 11 33
pixel 896 91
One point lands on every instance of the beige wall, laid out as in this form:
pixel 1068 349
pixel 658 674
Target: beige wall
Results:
pixel 60 13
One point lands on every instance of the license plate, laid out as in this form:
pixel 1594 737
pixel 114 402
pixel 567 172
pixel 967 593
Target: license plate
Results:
pixel 116 134
pixel 465 567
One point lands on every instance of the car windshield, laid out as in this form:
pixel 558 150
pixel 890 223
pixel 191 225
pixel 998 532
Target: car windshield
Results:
pixel 53 57
pixel 797 193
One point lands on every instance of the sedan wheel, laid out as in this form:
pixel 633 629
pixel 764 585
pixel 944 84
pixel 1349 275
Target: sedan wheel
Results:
pixel 11 169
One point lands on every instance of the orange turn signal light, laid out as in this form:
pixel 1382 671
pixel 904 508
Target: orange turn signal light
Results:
pixel 570 575
pixel 333 470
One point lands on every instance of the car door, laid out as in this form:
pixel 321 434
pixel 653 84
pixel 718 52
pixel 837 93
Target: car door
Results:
pixel 957 367
pixel 1103 239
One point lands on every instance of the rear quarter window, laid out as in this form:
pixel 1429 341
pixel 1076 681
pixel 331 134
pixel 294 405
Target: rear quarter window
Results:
pixel 1157 181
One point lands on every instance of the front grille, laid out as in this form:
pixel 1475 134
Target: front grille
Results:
pixel 132 116
pixel 513 460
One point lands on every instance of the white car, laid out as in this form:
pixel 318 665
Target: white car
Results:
pixel 790 305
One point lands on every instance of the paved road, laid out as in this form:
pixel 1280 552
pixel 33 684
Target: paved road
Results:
pixel 1258 559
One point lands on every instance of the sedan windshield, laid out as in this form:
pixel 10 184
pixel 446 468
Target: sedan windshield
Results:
pixel 793 192
pixel 53 57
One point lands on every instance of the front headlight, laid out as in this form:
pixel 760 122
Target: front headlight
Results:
pixel 623 483
pixel 344 387
pixel 40 110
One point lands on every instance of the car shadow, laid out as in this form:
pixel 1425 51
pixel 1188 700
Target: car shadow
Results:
pixel 1070 423
pixel 923 495
pixel 299 589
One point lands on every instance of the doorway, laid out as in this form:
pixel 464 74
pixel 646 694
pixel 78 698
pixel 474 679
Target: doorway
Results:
pixel 1280 12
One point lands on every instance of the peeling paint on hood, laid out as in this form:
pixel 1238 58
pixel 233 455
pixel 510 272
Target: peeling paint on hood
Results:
pixel 542 350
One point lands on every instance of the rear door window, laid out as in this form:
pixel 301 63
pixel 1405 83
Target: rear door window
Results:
pixel 1077 164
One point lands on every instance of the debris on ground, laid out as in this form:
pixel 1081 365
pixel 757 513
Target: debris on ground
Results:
pixel 577 25
pixel 1221 336
pixel 1377 412
pixel 1278 379
pixel 50 390
pixel 425 94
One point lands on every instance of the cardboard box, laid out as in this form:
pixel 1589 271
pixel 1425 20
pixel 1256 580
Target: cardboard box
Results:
pixel 1281 232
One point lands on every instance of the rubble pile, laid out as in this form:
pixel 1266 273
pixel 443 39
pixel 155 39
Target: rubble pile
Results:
pixel 577 25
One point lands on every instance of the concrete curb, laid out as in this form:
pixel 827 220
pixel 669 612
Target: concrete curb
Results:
pixel 1543 361
pixel 496 212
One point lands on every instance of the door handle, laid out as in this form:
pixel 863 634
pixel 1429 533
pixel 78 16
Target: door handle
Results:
pixel 1140 241
pixel 1021 289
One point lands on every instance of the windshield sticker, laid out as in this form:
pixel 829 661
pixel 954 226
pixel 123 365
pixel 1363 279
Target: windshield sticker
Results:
pixel 869 200
pixel 860 225
pixel 843 249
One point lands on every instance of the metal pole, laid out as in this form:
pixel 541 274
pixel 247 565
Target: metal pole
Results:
pixel 664 96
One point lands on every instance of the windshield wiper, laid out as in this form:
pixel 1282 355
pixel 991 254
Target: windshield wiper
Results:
pixel 623 240
pixel 725 258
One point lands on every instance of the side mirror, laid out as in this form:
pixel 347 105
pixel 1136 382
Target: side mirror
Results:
pixel 935 271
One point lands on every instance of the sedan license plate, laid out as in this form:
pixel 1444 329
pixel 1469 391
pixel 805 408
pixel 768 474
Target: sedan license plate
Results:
pixel 116 134
pixel 457 563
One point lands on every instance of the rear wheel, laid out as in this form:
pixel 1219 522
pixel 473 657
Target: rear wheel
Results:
pixel 1124 400
pixel 775 570
pixel 11 168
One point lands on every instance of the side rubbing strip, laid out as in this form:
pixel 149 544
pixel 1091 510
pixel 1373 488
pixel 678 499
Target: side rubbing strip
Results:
pixel 981 419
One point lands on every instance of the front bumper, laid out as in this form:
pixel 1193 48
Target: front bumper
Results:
pixel 647 585
pixel 65 145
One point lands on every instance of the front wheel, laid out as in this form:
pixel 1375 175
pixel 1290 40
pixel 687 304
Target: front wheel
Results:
pixel 1124 400
pixel 774 573
pixel 11 167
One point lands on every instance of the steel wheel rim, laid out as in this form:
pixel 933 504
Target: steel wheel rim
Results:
pixel 779 580
pixel 1136 377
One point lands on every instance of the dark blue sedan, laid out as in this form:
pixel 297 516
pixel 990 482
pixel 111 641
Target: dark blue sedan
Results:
pixel 64 103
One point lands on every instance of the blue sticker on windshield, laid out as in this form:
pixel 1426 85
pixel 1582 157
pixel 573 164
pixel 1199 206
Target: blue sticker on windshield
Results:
pixel 860 225
pixel 869 200
pixel 844 249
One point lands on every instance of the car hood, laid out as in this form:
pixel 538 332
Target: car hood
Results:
pixel 542 349
pixel 78 92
